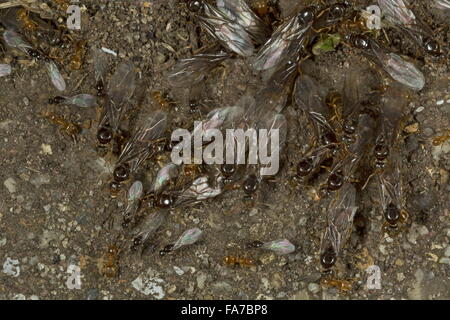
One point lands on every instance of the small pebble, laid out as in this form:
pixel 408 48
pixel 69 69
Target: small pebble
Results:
pixel 399 262
pixel 11 267
pixel 178 271
pixel 313 287
pixel 92 294
pixel 423 231
pixel 447 252
pixel 201 279
pixel 10 184
pixel 428 132
pixel 46 149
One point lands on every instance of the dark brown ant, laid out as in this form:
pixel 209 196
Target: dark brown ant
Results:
pixel 305 167
pixel 56 100
pixel 100 87
pixel 195 6
pixel 122 172
pixel 254 244
pixel 228 170
pixel 250 184
pixel 167 249
pixel 104 135
pixel 328 258
pixel 335 180
pixel 393 217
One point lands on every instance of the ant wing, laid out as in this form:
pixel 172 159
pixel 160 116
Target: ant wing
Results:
pixel 240 12
pixel 138 148
pixel 188 237
pixel 14 40
pixel 351 97
pixel 398 68
pixel 340 217
pixel 55 75
pixel 164 176
pixel 100 64
pixel 120 89
pixel 389 183
pixel 393 106
pixel 228 32
pixel 147 227
pixel 285 43
pixel 187 72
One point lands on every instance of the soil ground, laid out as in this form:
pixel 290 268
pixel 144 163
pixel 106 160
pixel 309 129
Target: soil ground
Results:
pixel 54 197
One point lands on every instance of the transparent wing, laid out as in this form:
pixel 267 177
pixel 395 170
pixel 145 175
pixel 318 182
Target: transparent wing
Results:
pixel 229 33
pixel 147 227
pixel 442 4
pixel 187 72
pixel 166 174
pixel 389 184
pixel 283 74
pixel 201 189
pixel 340 216
pixel 393 106
pixel 349 159
pixel 135 194
pixel 240 12
pixel 55 76
pixel 14 40
pixel 188 237
pixel 273 97
pixel 284 44
pixel 280 247
pixel 82 100
pixel 100 64
pixel 222 117
pixel 5 69
pixel 120 89
pixel 397 12
pixel 309 96
pixel 278 125
pixel 399 69
pixel 139 147
pixel 351 97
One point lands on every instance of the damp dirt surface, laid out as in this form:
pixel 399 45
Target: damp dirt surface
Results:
pixel 56 212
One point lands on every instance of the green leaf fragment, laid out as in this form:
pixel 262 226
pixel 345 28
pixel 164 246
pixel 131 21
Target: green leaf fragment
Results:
pixel 328 43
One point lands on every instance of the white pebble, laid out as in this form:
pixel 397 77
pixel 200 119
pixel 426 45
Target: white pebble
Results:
pixel 46 149
pixel 149 286
pixel 11 267
pixel 178 271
